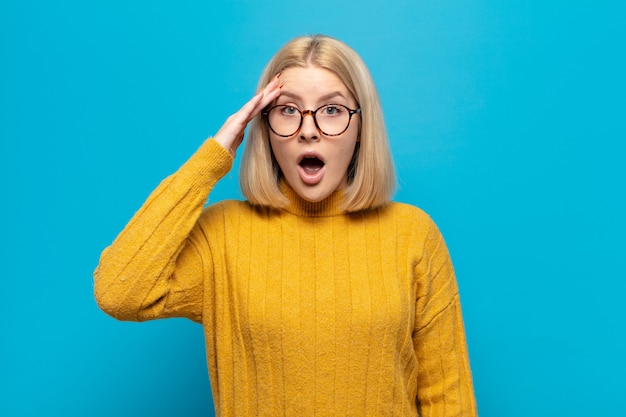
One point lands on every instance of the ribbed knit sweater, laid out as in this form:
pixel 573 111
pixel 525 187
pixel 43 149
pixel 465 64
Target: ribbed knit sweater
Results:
pixel 307 311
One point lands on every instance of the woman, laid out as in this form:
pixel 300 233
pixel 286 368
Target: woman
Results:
pixel 318 296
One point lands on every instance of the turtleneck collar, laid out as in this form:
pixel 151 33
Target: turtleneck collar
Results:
pixel 330 206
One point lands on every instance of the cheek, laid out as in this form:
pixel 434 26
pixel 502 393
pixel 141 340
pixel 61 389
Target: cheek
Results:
pixel 280 153
pixel 347 152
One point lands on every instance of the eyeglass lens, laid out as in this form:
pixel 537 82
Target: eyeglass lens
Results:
pixel 330 119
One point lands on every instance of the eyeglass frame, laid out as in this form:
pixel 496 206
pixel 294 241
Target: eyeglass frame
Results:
pixel 351 112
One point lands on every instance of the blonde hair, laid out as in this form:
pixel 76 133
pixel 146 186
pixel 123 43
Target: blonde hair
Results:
pixel 371 175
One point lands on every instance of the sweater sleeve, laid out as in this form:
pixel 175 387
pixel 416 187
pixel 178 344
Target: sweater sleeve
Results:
pixel 154 269
pixel 444 378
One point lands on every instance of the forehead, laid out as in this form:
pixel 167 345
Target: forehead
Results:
pixel 311 83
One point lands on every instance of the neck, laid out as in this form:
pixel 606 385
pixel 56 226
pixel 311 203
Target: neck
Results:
pixel 330 206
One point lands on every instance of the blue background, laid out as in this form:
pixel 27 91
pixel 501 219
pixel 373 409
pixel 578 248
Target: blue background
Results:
pixel 507 121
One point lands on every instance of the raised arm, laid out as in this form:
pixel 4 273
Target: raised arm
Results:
pixel 153 269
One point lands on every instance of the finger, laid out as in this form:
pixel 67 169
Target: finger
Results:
pixel 267 95
pixel 231 133
pixel 270 93
pixel 238 121
pixel 249 110
pixel 246 113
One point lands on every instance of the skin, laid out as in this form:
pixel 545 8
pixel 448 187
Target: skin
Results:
pixel 231 133
pixel 306 88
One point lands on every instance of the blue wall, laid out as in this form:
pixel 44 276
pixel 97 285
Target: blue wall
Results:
pixel 507 121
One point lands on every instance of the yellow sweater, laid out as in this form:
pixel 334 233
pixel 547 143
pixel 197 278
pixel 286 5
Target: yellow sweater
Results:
pixel 307 311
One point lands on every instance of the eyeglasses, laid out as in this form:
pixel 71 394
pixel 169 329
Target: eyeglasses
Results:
pixel 331 119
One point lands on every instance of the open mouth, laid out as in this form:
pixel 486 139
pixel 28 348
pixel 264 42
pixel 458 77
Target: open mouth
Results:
pixel 311 168
pixel 311 164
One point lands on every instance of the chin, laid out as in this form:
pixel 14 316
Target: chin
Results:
pixel 311 193
pixel 313 197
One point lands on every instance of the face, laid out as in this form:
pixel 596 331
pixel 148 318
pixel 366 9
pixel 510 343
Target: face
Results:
pixel 313 164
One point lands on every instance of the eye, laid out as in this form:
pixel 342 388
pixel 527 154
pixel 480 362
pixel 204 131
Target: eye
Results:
pixel 288 110
pixel 332 110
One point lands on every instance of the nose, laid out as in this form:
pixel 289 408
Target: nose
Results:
pixel 308 130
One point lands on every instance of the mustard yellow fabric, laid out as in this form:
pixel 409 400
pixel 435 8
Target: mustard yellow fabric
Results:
pixel 307 311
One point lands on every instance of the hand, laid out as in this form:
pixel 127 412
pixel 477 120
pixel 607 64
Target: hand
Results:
pixel 230 134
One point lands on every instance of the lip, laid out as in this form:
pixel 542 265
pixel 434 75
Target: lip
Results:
pixel 307 177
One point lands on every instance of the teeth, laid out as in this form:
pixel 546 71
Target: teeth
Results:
pixel 311 170
pixel 311 164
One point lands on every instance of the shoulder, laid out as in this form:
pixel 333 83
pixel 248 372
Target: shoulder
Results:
pixel 411 221
pixel 226 207
pixel 227 210
pixel 406 209
pixel 224 217
pixel 407 214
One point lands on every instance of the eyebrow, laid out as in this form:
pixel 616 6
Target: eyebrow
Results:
pixel 325 97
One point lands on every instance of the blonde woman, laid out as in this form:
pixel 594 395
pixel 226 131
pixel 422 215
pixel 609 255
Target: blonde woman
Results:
pixel 317 294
